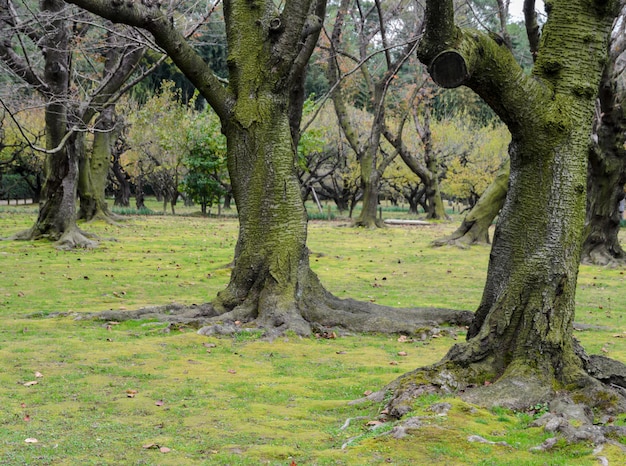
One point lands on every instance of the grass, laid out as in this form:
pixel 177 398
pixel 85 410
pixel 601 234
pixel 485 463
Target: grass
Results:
pixel 243 400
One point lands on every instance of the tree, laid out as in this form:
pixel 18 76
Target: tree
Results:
pixel 426 167
pixel 475 225
pixel 521 339
pixel 121 57
pixel 51 51
pixel 371 26
pixel 205 161
pixel 18 161
pixel 480 175
pixel 260 110
pixel 329 164
pixel 159 140
pixel 51 35
pixel 607 161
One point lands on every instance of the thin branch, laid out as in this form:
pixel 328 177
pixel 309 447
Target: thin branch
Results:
pixel 532 27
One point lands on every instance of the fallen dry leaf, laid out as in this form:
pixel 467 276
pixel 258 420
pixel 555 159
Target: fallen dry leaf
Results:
pixel 151 446
pixel 367 392
pixel 31 383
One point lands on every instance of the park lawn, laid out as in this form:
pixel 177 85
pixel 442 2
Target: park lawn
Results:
pixel 116 393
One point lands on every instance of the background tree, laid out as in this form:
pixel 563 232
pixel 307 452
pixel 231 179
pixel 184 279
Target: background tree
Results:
pixel 379 61
pixel 205 160
pixel 427 166
pixel 21 167
pixel 521 338
pixel 49 35
pixel 158 140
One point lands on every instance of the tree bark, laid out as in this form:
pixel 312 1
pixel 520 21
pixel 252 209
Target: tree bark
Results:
pixel 607 165
pixel 475 225
pixel 521 338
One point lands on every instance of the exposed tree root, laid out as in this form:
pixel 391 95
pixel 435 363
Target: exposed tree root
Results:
pixel 73 238
pixel 345 315
pixel 600 384
pixel 604 255
pixel 107 217
pixel 316 311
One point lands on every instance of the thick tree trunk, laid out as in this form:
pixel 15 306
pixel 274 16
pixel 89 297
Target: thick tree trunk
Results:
pixel 94 169
pixel 607 166
pixel 475 225
pixel 521 338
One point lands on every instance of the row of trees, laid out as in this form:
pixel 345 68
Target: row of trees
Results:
pixel 521 335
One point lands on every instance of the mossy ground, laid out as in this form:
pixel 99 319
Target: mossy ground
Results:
pixel 245 401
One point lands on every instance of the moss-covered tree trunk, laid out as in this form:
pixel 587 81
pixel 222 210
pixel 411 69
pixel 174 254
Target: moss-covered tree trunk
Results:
pixel 475 226
pixel 607 164
pixel 521 337
pixel 370 183
pixel 94 170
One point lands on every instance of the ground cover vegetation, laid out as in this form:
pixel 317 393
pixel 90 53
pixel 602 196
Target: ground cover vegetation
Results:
pixel 106 390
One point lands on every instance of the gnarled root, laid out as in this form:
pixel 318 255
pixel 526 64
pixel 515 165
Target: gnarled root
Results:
pixel 600 384
pixel 72 238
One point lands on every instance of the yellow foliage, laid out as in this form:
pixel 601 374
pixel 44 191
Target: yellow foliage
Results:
pixel 472 156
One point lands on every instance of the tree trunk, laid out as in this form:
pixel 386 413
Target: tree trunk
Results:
pixel 227 199
pixel 521 339
pixel 436 209
pixel 370 181
pixel 607 166
pixel 139 194
pixel 475 225
pixel 122 194
pixel 94 169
